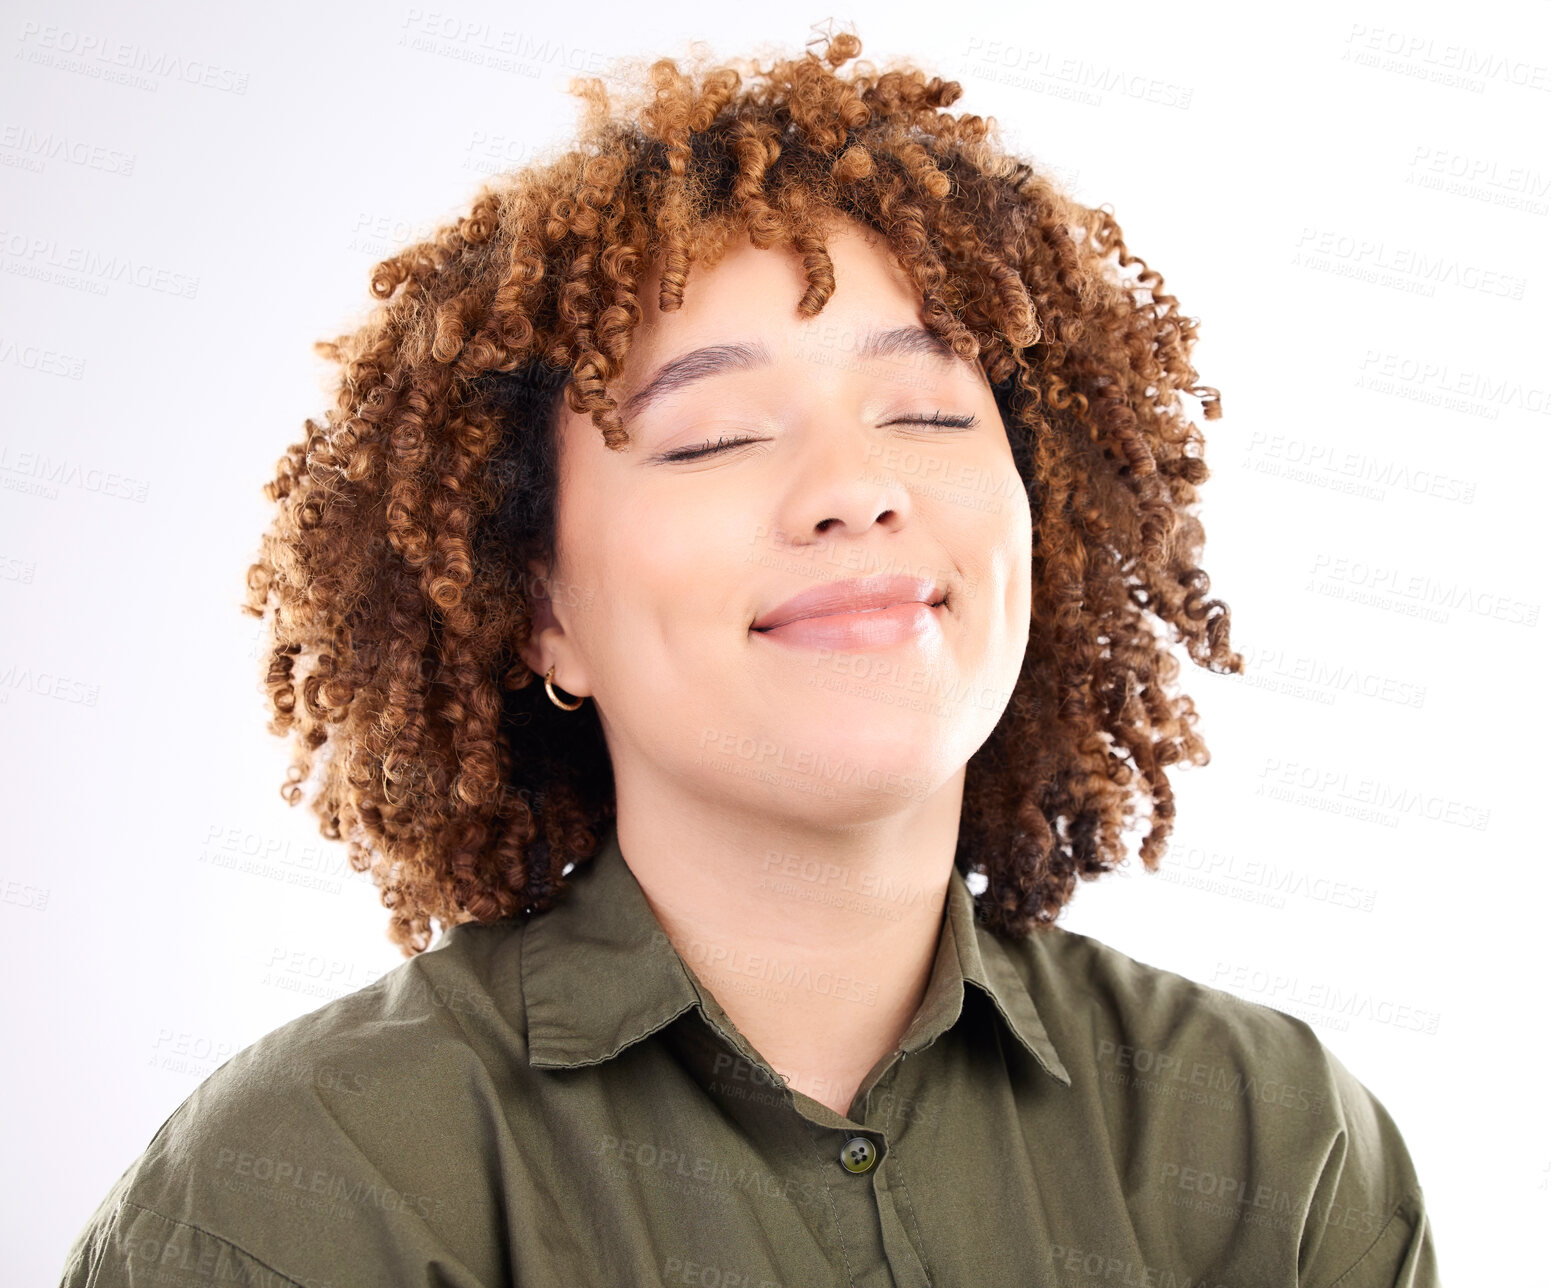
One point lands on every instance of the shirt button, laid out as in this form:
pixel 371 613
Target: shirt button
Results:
pixel 858 1154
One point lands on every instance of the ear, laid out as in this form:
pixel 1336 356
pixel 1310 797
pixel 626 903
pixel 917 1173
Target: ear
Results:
pixel 545 628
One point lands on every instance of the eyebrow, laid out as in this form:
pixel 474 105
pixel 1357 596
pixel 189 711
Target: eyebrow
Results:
pixel 715 359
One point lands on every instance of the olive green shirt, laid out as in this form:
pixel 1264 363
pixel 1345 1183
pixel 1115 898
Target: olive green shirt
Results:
pixel 560 1100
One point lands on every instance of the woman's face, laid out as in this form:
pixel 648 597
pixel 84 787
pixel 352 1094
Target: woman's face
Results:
pixel 668 563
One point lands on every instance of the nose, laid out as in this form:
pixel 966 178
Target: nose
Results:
pixel 846 485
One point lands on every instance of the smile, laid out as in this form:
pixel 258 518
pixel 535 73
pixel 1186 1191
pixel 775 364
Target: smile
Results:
pixel 877 628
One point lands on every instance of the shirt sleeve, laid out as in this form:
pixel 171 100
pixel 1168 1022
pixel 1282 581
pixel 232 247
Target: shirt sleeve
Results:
pixel 125 1245
pixel 270 1173
pixel 1402 1256
pixel 1368 1225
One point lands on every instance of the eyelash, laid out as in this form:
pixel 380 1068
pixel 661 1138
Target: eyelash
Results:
pixel 936 418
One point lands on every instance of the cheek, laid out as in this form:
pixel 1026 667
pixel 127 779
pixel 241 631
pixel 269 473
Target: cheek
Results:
pixel 695 538
pixel 992 511
pixel 1001 539
pixel 677 564
pixel 1018 530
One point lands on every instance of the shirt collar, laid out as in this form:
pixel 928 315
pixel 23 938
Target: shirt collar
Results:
pixel 599 973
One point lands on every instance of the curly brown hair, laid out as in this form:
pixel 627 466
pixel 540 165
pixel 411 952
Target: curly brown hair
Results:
pixel 396 563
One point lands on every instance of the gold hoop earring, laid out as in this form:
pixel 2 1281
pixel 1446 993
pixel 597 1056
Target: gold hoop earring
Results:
pixel 549 688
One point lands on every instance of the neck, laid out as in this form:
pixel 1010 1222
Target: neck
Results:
pixel 818 943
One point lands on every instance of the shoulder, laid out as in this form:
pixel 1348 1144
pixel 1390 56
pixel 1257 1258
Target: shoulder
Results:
pixel 1234 1105
pixel 328 1140
pixel 1120 1014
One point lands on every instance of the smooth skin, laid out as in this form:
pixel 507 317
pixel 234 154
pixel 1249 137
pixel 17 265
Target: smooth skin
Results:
pixel 791 813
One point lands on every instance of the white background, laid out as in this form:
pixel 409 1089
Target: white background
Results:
pixel 1359 219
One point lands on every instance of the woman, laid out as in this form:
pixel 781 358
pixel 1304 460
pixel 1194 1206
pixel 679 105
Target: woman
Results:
pixel 819 460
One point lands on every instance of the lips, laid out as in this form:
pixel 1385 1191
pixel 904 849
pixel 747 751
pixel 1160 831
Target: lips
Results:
pixel 860 595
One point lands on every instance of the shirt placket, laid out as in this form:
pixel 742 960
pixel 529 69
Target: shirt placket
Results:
pixel 874 1249
pixel 863 1182
pixel 860 1184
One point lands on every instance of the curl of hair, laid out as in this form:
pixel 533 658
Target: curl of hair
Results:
pixel 394 571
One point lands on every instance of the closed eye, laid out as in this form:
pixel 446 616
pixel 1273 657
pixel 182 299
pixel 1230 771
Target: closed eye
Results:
pixel 722 445
pixel 690 453
pixel 937 418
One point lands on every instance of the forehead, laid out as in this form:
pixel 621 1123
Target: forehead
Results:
pixel 749 292
pixel 747 299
